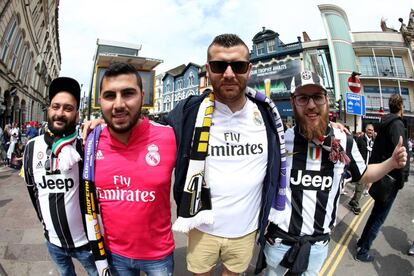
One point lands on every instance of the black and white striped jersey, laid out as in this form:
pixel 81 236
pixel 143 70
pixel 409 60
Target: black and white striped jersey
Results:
pixel 314 183
pixel 55 195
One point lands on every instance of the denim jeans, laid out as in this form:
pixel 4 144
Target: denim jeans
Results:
pixel 275 253
pixel 63 259
pixel 378 215
pixel 124 266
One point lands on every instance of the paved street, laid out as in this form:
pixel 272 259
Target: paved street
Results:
pixel 22 249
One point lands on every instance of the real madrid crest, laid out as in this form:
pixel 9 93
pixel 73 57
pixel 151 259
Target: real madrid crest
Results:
pixel 153 157
pixel 257 118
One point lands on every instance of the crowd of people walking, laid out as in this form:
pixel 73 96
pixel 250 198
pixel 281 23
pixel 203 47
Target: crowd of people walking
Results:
pixel 13 139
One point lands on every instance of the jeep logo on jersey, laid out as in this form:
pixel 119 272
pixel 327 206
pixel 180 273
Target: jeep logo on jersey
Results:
pixel 310 180
pixel 57 185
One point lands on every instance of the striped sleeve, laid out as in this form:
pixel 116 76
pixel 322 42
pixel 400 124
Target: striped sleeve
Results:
pixel 357 165
pixel 28 176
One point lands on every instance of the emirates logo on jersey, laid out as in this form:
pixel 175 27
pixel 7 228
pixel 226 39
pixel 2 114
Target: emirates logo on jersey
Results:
pixel 153 157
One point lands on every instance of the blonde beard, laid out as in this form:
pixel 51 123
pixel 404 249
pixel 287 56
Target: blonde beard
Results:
pixel 312 132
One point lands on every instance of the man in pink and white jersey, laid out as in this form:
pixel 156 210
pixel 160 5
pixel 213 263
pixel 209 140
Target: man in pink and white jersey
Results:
pixel 134 159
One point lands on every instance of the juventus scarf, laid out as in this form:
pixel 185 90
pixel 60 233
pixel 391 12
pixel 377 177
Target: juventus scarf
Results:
pixel 92 215
pixel 63 148
pixel 195 207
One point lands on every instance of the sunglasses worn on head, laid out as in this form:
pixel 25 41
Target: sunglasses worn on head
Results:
pixel 238 67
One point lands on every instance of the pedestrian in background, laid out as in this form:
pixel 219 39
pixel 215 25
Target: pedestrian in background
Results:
pixel 6 143
pixel 14 138
pixel 365 143
pixel 389 132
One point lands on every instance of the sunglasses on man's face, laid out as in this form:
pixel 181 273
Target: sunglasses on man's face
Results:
pixel 238 67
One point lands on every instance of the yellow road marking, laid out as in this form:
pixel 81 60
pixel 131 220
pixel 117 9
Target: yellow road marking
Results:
pixel 344 236
pixel 345 245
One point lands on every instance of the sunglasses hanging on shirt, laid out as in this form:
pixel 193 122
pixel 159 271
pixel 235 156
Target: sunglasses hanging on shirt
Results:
pixel 48 162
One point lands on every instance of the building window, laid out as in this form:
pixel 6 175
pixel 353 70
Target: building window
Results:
pixel 27 71
pixel 22 61
pixel 8 38
pixel 16 51
pixel 271 46
pixel 191 79
pixel 179 85
pixel 387 66
pixel 373 96
pixel 260 49
pixel 36 12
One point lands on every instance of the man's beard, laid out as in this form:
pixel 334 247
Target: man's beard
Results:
pixel 69 127
pixel 123 129
pixel 311 132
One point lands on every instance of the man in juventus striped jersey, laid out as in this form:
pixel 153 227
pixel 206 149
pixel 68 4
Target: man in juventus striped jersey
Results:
pixel 297 238
pixel 52 174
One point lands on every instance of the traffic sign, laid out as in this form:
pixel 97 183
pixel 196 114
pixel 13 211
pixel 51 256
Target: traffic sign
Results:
pixel 355 104
pixel 354 84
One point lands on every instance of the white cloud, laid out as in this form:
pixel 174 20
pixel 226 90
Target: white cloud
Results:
pixel 179 31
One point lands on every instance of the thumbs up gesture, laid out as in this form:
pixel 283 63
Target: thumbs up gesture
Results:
pixel 399 156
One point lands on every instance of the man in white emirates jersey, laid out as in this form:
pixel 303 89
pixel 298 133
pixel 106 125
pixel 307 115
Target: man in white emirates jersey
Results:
pixel 317 155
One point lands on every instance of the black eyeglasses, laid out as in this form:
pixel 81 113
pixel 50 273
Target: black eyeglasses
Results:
pixel 238 67
pixel 302 100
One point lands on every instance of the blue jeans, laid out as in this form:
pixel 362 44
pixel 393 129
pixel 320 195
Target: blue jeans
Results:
pixel 378 215
pixel 275 253
pixel 63 259
pixel 125 266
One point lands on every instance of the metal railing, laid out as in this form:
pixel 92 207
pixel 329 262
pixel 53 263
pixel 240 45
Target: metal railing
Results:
pixel 391 72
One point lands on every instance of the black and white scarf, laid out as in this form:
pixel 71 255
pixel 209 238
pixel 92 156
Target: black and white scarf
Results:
pixel 195 207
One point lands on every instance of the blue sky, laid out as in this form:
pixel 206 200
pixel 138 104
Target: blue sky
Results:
pixel 179 31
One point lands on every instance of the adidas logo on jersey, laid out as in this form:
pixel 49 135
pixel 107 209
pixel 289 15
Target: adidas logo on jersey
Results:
pixel 310 180
pixel 99 155
pixel 39 165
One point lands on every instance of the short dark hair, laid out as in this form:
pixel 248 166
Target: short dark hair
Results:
pixel 395 103
pixel 121 68
pixel 227 41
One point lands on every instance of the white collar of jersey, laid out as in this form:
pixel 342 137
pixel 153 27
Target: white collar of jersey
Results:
pixel 223 108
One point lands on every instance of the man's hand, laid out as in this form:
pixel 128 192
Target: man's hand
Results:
pixel 340 126
pixel 399 156
pixel 88 126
